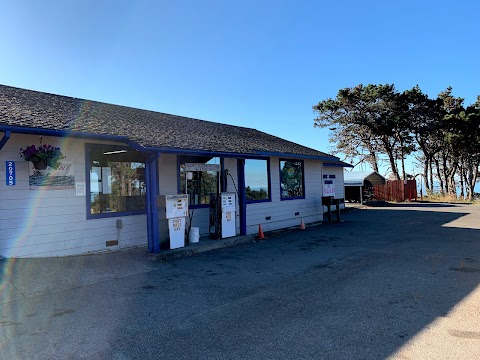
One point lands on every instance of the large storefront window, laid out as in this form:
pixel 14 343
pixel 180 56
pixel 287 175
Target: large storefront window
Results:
pixel 257 180
pixel 117 180
pixel 202 185
pixel 292 179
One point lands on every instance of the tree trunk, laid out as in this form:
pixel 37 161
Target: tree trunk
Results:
pixel 425 173
pixel 403 161
pixel 431 174
pixel 445 173
pixel 440 179
pixel 388 149
pixel 373 161
pixel 471 178
pixel 461 173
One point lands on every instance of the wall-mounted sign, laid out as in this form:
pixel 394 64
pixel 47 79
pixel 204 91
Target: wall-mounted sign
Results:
pixel 61 178
pixel 328 188
pixel 202 167
pixel 10 173
pixel 80 189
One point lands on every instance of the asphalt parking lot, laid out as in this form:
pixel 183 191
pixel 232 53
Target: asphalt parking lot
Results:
pixel 399 281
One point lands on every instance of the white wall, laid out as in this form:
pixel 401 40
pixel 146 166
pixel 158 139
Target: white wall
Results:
pixel 338 182
pixel 283 213
pixel 41 223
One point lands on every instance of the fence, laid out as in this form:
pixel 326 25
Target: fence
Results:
pixel 396 190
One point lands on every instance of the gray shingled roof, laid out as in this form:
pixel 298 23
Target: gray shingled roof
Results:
pixel 149 129
pixel 337 163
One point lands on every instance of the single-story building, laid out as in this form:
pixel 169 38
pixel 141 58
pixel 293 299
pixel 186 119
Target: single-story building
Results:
pixel 359 184
pixel 83 176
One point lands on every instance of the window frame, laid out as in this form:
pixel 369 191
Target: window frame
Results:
pixel 280 179
pixel 90 216
pixel 179 183
pixel 269 183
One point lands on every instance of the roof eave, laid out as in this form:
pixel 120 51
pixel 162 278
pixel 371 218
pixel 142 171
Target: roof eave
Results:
pixel 124 139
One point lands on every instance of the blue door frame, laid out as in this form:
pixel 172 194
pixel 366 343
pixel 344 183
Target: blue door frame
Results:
pixel 151 175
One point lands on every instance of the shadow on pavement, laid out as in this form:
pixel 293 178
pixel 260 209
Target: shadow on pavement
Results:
pixel 364 288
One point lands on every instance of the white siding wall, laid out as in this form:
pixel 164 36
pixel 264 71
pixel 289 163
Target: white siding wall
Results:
pixel 338 182
pixel 40 223
pixel 282 213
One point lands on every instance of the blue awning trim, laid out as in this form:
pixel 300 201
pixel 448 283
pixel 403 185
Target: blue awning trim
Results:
pixel 5 138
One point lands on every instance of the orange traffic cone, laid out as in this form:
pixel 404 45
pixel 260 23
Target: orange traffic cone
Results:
pixel 302 225
pixel 260 233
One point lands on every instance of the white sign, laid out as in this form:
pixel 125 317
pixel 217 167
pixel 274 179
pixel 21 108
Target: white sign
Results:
pixel 328 188
pixel 202 167
pixel 80 189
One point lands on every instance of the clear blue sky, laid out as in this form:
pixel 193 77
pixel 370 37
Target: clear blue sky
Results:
pixel 259 64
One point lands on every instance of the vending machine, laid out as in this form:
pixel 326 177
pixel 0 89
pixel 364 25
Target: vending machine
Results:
pixel 172 210
pixel 228 204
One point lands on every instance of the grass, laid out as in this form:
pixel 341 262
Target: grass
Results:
pixel 447 198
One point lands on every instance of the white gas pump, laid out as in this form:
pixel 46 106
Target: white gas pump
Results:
pixel 228 202
pixel 173 219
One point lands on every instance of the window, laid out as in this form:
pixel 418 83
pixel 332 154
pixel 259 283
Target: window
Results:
pixel 257 184
pixel 202 186
pixel 117 180
pixel 291 179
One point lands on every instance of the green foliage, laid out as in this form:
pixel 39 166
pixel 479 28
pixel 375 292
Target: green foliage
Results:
pixel 261 194
pixel 292 179
pixel 374 120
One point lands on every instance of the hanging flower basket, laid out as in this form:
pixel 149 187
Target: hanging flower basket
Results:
pixel 42 156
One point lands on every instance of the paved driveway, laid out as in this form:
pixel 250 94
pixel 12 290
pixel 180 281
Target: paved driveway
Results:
pixel 398 281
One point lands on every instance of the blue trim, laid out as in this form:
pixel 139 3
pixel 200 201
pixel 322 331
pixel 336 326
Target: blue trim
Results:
pixel 242 197
pixel 298 156
pixel 337 165
pixel 258 201
pixel 91 216
pixel 269 180
pixel 303 179
pixel 5 138
pixel 148 203
pixel 152 209
pixel 293 198
pixel 115 214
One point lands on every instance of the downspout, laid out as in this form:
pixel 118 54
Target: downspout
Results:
pixel 6 137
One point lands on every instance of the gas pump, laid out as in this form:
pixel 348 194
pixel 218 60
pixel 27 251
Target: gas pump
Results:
pixel 173 209
pixel 228 224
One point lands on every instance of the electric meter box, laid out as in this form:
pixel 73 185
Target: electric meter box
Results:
pixel 229 205
pixel 172 213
